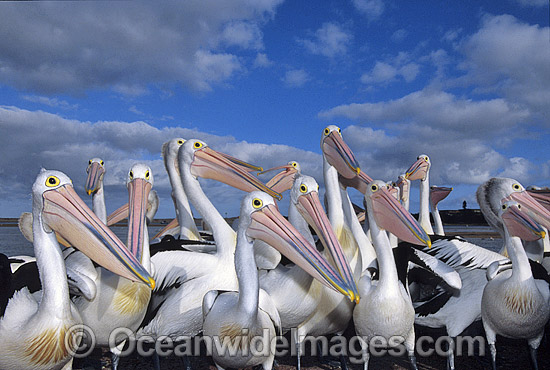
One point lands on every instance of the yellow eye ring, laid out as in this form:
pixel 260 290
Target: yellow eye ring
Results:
pixel 257 203
pixel 339 131
pixel 197 145
pixel 147 175
pixel 303 188
pixel 327 131
pixel 504 206
pixel 102 163
pixel 294 164
pixel 180 142
pixel 374 188
pixel 89 162
pixel 131 175
pixel 516 187
pixel 52 181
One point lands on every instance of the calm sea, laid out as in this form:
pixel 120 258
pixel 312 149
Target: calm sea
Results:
pixel 13 243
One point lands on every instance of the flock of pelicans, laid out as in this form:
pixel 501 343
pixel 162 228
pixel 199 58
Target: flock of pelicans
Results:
pixel 381 267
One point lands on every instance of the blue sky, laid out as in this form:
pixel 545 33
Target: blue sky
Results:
pixel 467 83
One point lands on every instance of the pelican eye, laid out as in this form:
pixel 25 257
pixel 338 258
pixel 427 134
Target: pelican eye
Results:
pixel 180 142
pixel 516 187
pixel 197 145
pixel 89 162
pixel 294 164
pixel 504 206
pixel 131 175
pixel 102 163
pixel 303 188
pixel 327 131
pixel 257 203
pixel 339 131
pixel 519 206
pixel 374 188
pixel 52 181
pixel 147 175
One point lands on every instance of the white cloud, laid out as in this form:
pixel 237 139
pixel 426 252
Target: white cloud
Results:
pixel 55 47
pixel 51 102
pixel 372 9
pixel 386 72
pixel 399 35
pixel 34 139
pixel 330 40
pixel 262 61
pixel 535 3
pixel 295 78
pixel 512 59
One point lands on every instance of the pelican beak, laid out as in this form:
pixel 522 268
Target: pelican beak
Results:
pixel 211 164
pixel 392 216
pixel 310 208
pixel 438 193
pixel 66 214
pixel 95 176
pixel 138 192
pixel 520 224
pixel 418 170
pixel 247 166
pixel 118 215
pixel 531 207
pixel 269 225
pixel 172 224
pixel 403 185
pixel 340 156
pixel 282 181
pixel 542 196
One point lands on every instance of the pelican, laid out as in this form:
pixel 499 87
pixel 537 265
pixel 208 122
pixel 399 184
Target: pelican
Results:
pixel 184 222
pixel 514 304
pixel 94 187
pixel 5 282
pixel 386 308
pixel 296 294
pixel 250 312
pixel 437 194
pixel 183 276
pixel 119 302
pixel 33 333
pixel 420 170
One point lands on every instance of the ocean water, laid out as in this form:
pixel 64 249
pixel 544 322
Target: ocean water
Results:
pixel 13 243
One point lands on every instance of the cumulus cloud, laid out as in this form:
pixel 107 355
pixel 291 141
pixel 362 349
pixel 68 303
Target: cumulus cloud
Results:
pixel 386 72
pixel 372 9
pixel 331 40
pixel 399 35
pixel 262 61
pixel 71 47
pixel 35 139
pixel 511 58
pixel 295 78
pixel 50 102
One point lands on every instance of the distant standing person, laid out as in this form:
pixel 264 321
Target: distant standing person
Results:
pixel 464 205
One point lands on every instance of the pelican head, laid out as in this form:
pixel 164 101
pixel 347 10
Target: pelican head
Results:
pixel 339 155
pixel 210 164
pixel 57 207
pixel 283 181
pixel 519 223
pixel 170 152
pixel 95 171
pixel 498 190
pixel 260 219
pixel 305 196
pixel 390 215
pixel 438 193
pixel 419 169
pixel 139 183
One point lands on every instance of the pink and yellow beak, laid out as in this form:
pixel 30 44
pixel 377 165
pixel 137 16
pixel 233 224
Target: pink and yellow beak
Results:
pixel 390 215
pixel 418 170
pixel 95 177
pixel 269 225
pixel 211 164
pixel 519 223
pixel 530 206
pixel 542 196
pixel 66 214
pixel 438 193
pixel 311 209
pixel 138 193
pixel 282 181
